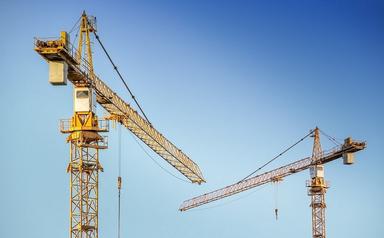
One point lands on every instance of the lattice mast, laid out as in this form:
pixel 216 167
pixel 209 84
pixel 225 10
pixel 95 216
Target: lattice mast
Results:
pixel 85 143
pixel 317 188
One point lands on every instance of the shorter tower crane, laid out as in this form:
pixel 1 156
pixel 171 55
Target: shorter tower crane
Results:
pixel 317 186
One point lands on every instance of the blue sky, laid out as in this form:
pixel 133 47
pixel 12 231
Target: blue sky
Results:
pixel 232 83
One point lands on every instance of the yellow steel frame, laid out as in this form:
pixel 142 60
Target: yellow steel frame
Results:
pixel 317 188
pixel 84 163
pixel 84 167
pixel 84 129
pixel 318 214
pixel 84 39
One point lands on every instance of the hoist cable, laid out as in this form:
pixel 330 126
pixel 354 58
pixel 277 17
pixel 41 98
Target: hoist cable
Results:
pixel 276 194
pixel 277 156
pixel 119 182
pixel 120 76
pixel 119 148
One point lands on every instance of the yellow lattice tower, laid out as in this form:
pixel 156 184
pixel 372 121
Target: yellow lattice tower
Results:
pixel 85 143
pixel 317 187
pixel 84 166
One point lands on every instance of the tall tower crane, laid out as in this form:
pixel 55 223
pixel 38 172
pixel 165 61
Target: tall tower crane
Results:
pixel 317 186
pixel 84 128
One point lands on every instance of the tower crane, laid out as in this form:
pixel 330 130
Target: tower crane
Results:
pixel 68 63
pixel 317 186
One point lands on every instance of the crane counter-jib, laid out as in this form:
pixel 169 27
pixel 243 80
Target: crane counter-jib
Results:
pixel 79 73
pixel 258 180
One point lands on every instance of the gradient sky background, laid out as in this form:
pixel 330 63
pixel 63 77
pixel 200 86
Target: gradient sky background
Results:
pixel 232 83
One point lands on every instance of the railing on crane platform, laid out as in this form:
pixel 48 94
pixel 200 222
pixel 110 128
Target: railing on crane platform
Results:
pixel 57 43
pixel 66 125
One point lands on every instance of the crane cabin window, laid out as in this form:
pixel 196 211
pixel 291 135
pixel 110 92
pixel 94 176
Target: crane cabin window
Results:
pixel 83 99
pixel 82 94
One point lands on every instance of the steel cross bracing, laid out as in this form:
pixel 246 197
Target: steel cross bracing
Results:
pixel 318 215
pixel 84 168
pixel 80 74
pixel 317 188
pixel 270 176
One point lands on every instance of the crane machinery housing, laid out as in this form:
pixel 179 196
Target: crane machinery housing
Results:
pixel 317 186
pixel 67 63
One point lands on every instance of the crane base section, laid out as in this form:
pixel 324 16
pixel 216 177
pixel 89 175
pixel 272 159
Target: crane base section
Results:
pixel 84 167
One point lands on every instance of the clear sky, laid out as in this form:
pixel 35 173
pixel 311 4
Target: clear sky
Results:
pixel 232 83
